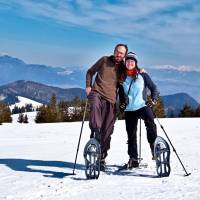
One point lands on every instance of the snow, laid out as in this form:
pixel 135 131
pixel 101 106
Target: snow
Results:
pixel 23 101
pixel 36 162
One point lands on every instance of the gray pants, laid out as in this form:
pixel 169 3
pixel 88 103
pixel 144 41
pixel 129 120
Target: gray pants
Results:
pixel 102 117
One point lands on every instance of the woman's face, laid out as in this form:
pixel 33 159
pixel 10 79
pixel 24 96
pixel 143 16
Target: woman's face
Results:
pixel 130 64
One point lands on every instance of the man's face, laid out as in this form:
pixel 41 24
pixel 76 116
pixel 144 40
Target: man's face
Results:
pixel 120 53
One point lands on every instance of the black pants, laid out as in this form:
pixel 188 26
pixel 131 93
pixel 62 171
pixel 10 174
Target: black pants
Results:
pixel 131 120
pixel 102 116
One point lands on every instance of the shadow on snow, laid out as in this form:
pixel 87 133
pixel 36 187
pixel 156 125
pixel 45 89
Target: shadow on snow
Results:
pixel 28 166
pixel 139 172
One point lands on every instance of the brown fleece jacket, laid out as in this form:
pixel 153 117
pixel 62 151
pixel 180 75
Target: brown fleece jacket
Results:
pixel 106 79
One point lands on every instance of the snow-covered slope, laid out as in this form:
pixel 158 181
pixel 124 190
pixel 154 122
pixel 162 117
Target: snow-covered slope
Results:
pixel 31 117
pixel 36 162
pixel 23 101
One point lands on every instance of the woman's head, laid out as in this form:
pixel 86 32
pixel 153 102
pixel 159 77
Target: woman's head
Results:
pixel 130 68
pixel 131 61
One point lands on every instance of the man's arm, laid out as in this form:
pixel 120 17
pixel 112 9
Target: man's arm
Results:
pixel 90 73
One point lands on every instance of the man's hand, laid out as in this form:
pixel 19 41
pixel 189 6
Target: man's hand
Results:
pixel 142 70
pixel 88 90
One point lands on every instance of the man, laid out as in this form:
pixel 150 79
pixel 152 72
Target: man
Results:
pixel 102 95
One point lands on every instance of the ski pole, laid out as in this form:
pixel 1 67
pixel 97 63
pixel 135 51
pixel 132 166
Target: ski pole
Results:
pixel 140 158
pixel 80 135
pixel 187 174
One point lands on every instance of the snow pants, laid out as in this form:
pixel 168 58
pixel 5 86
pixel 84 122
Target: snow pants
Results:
pixel 131 120
pixel 102 115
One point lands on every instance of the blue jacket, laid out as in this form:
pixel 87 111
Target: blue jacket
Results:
pixel 137 96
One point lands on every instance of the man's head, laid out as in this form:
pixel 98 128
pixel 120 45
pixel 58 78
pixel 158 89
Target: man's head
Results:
pixel 120 52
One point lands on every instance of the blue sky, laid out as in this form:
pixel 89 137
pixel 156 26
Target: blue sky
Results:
pixel 77 32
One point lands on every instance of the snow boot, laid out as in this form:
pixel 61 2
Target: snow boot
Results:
pixel 133 163
pixel 152 151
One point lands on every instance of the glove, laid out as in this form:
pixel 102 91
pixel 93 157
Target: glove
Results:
pixel 122 107
pixel 151 103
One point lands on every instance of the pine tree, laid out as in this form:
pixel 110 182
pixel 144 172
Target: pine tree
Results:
pixel 25 120
pixel 42 115
pixel 62 111
pixel 76 101
pixel 186 111
pixel 197 112
pixel 15 110
pixel 77 110
pixel 20 118
pixel 52 109
pixel 5 113
pixel 159 108
pixel 29 108
pixel 53 102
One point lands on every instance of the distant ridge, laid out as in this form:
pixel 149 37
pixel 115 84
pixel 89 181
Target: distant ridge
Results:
pixel 169 79
pixel 13 69
pixel 173 103
pixel 37 91
pixel 42 94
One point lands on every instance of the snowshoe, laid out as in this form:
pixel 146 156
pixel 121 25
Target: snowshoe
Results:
pixel 162 157
pixel 92 155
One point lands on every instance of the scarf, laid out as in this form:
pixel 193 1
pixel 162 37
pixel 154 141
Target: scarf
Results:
pixel 131 72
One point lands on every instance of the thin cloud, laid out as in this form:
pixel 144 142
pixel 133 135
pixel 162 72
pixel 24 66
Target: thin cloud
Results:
pixel 181 68
pixel 136 14
pixel 172 23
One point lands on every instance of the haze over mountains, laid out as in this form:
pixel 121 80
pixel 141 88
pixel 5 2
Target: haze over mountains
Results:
pixel 13 69
pixel 169 79
pixel 177 86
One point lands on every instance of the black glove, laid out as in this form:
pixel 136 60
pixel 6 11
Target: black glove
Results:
pixel 122 107
pixel 151 103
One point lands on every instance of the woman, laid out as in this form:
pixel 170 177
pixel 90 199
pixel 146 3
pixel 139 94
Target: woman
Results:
pixel 133 98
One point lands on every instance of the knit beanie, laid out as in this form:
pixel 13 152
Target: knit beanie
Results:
pixel 131 56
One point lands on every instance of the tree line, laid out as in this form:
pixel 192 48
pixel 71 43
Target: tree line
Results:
pixel 23 109
pixel 62 111
pixel 188 111
pixel 69 111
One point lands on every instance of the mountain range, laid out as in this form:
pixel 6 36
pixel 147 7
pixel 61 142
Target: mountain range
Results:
pixel 169 79
pixel 42 93
pixel 13 69
pixel 37 92
pixel 175 102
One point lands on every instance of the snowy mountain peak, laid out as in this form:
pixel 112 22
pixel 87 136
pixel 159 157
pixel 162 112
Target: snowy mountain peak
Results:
pixel 23 101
